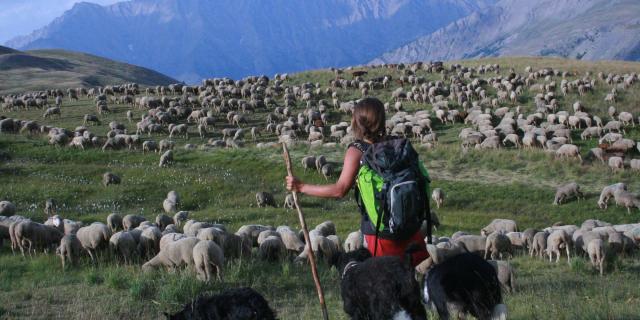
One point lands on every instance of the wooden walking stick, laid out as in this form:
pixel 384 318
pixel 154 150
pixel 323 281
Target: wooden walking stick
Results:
pixel 312 258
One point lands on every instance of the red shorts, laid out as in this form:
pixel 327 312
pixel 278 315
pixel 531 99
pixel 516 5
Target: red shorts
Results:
pixel 397 248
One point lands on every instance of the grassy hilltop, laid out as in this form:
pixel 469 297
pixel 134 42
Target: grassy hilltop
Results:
pixel 32 70
pixel 220 185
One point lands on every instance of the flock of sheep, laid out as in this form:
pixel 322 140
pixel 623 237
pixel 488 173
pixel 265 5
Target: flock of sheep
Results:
pixel 258 105
pixel 169 242
pixel 226 113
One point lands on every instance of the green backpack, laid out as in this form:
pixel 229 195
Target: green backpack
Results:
pixel 392 190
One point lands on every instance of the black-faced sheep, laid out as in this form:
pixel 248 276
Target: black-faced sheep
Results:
pixel 265 199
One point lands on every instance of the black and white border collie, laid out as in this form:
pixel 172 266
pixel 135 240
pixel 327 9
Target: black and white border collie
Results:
pixel 381 288
pixel 464 284
pixel 232 304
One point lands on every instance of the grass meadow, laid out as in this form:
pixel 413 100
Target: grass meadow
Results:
pixel 219 185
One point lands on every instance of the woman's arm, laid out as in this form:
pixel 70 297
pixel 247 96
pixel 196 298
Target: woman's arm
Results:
pixel 336 190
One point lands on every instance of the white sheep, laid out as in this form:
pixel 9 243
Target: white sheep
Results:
pixel 438 197
pixel 497 244
pixel 354 241
pixel 69 249
pixel 506 274
pixel 557 240
pixel 608 193
pixel 176 254
pixel 123 244
pixel 497 225
pixel 596 250
pixel 616 163
pixel 567 191
pixel 94 237
pixel 207 256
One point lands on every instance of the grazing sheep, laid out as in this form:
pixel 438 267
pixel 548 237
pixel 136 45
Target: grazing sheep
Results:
pixel 207 256
pixel 634 164
pixel 327 171
pixel 176 254
pixel 166 158
pixel 30 235
pixel 320 162
pixel 556 241
pixel 162 221
pixel 171 228
pixel 149 146
pixel 497 225
pixel 308 162
pixel 50 207
pixel 252 231
pixel 326 228
pixel 354 241
pixel 192 229
pixel 7 208
pixel 608 193
pixel 438 196
pixel 596 153
pixel 179 217
pixel 591 224
pixel 69 249
pixel 149 243
pixel 539 244
pixel 131 221
pixel 267 233
pixel 596 250
pixel 497 243
pixel 169 206
pixel 169 238
pixel 616 164
pixel 472 243
pixel 114 222
pixel 568 151
pixel 265 199
pixel 271 249
pixel 626 199
pixel 289 203
pixel 235 246
pixel 291 240
pixel 94 237
pixel 109 178
pixel 527 237
pixel 567 191
pixel 123 245
pixel 439 255
pixel 506 274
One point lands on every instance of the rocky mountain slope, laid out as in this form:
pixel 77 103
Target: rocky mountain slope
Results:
pixel 582 29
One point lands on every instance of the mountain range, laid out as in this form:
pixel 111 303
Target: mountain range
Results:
pixel 194 39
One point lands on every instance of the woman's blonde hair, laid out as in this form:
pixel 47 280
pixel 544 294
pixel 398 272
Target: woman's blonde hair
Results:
pixel 368 121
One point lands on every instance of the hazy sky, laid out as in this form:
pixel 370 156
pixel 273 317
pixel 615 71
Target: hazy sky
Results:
pixel 20 17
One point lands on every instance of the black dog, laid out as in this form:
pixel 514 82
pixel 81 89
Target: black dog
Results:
pixel 464 284
pixel 380 288
pixel 233 304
